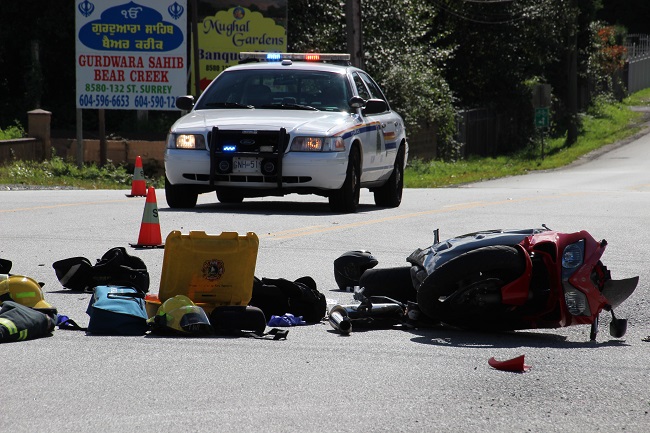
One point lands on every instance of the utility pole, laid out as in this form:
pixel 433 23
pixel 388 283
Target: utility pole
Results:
pixel 572 75
pixel 195 48
pixel 355 36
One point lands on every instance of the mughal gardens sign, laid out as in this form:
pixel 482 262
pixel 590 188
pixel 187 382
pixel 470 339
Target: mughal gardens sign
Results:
pixel 252 26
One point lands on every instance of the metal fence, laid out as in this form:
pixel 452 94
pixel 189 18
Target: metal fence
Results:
pixel 478 132
pixel 489 132
pixel 638 62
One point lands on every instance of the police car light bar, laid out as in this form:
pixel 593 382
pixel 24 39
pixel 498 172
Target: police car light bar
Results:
pixel 308 57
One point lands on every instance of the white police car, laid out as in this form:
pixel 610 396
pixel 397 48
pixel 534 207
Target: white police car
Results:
pixel 287 123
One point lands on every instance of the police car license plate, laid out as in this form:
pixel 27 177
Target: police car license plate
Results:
pixel 246 165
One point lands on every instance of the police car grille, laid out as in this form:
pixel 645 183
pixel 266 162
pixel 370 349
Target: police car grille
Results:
pixel 257 178
pixel 250 141
pixel 246 178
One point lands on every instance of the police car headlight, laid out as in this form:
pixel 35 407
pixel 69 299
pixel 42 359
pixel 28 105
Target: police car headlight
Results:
pixel 186 141
pixel 317 144
pixel 307 144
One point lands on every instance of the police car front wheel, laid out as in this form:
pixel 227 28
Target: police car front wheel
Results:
pixel 346 199
pixel 180 196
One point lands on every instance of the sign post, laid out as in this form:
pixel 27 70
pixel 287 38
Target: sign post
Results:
pixel 542 122
pixel 542 101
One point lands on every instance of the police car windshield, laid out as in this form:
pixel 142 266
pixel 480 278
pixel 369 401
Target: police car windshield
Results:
pixel 277 89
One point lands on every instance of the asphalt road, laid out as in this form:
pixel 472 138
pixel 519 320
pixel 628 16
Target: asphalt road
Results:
pixel 316 380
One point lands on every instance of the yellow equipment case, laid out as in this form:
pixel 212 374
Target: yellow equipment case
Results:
pixel 211 270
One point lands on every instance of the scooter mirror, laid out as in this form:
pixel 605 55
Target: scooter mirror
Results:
pixel 618 328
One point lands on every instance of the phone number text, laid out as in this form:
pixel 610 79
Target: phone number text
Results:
pixel 127 101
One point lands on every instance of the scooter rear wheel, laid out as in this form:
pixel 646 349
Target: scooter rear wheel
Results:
pixel 465 291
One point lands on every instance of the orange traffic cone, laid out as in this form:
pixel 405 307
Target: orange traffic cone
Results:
pixel 138 185
pixel 150 236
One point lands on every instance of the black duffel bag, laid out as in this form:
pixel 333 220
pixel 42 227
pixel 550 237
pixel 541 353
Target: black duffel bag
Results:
pixel 116 268
pixel 278 296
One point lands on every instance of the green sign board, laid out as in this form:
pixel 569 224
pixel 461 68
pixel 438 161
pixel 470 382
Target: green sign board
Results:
pixel 541 118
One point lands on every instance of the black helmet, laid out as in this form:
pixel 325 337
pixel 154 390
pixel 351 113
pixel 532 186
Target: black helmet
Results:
pixel 349 267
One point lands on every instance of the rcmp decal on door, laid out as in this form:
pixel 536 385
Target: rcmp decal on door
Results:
pixel 391 140
pixel 358 129
pixel 213 269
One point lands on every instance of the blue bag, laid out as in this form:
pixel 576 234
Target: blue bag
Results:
pixel 117 310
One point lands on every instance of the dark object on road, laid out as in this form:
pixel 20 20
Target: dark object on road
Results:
pixel 278 296
pixel 5 266
pixel 366 315
pixel 19 323
pixel 233 319
pixel 116 267
pixel 349 267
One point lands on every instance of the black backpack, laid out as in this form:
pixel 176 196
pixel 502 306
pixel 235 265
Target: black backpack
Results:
pixel 276 297
pixel 116 267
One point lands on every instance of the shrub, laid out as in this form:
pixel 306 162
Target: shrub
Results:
pixel 12 132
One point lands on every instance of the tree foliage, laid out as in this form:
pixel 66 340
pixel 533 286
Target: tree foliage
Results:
pixel 397 52
pixel 607 60
pixel 316 26
pixel 37 59
pixel 432 57
pixel 630 14
pixel 436 56
pixel 501 46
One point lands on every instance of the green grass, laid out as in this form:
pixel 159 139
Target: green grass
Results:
pixel 605 123
pixel 65 173
pixel 57 172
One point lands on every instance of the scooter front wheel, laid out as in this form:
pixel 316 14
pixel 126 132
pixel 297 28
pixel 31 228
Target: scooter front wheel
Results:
pixel 466 291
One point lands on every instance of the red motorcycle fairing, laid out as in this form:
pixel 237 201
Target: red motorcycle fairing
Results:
pixel 553 244
pixel 517 292
pixel 581 279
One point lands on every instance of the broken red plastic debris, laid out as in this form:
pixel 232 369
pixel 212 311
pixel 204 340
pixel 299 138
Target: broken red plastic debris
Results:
pixel 514 364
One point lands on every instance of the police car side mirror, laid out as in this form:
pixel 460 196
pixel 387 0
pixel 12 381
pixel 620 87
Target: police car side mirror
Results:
pixel 375 106
pixel 185 102
pixel 356 102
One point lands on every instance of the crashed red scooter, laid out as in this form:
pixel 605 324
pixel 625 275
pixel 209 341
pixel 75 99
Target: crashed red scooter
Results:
pixel 509 280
